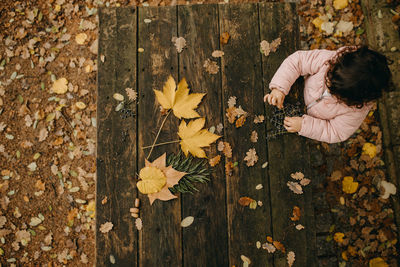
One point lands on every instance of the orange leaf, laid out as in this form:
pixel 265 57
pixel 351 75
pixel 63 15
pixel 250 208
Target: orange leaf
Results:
pixel 228 168
pixel 296 214
pixel 58 141
pixel 224 38
pixel 215 160
pixel 279 246
pixel 269 239
pixel 245 201
pixel 227 150
pixel 231 114
pixel 240 121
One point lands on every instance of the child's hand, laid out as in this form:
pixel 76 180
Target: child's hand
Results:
pixel 292 124
pixel 275 98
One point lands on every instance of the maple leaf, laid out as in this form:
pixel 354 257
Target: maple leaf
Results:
pixel 295 187
pixel 251 157
pixel 215 160
pixel 348 186
pixel 180 101
pixel 171 175
pixel 296 214
pixel 290 258
pixel 194 137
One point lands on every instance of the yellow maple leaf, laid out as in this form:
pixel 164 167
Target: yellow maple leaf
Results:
pixel 377 262
pixel 152 180
pixel 369 149
pixel 180 101
pixel 194 137
pixel 349 186
pixel 338 237
pixel 340 4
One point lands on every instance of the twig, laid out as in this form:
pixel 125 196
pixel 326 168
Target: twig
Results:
pixel 159 130
pixel 160 144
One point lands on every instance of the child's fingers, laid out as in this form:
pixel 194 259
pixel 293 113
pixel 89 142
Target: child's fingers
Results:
pixel 269 99
pixel 274 100
pixel 266 97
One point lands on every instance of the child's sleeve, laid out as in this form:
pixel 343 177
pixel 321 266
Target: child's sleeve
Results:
pixel 335 130
pixel 302 62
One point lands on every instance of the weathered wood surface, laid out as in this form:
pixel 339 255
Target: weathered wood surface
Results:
pixel 116 154
pixel 223 230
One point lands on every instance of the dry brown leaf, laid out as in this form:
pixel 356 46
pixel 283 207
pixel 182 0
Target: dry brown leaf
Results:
pixel 215 160
pixel 211 66
pixel 80 38
pixel 269 247
pixel 295 187
pixel 232 101
pixel 290 258
pixel 220 146
pixel 58 141
pixel 228 168
pixel 296 214
pixel 106 227
pixel 279 246
pixel 245 201
pixel 305 181
pixel 251 157
pixel 254 137
pixel 239 123
pixel 138 224
pixel 275 44
pixel 297 175
pixel 258 118
pixel 217 53
pixel 227 150
pixel 269 239
pixel 224 38
pixel 179 42
pixel 231 114
pixel 104 200
pixel 43 133
pixel 132 94
pixel 40 185
pixel 299 227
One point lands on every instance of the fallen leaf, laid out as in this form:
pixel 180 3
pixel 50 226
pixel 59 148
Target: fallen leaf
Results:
pixel 194 137
pixel 348 186
pixel 43 133
pixel 214 161
pixel 340 4
pixel 217 53
pixel 344 26
pixel 132 94
pixel 338 237
pixel 369 149
pixel 269 247
pixel 40 185
pixel 245 201
pixel 187 221
pixel 211 66
pixel 295 187
pixel 80 105
pixel 138 224
pixel 279 246
pixel 259 186
pixel 106 227
pixel 305 181
pixel 269 239
pixel 336 175
pixel 224 38
pixel 152 180
pixel 220 126
pixel 171 175
pixel 258 118
pixel 377 262
pixel 231 114
pixel 228 168
pixel 388 189
pixel 297 175
pixel 80 38
pixel 60 86
pixel 239 123
pixel 299 227
pixel 227 150
pixel 251 157
pixel 266 48
pixel 232 101
pixel 220 146
pixel 296 214
pixel 245 260
pixel 290 258
pixel 181 102
pixel 179 42
pixel 253 205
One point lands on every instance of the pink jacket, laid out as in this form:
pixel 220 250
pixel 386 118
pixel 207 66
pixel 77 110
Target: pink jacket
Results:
pixel 327 120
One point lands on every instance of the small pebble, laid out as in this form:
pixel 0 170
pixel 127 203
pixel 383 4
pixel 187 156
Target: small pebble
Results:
pixel 135 210
pixel 137 203
pixel 393 49
pixel 135 215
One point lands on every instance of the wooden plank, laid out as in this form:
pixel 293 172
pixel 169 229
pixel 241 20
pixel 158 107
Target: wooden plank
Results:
pixel 289 153
pixel 160 239
pixel 241 77
pixel 204 242
pixel 116 138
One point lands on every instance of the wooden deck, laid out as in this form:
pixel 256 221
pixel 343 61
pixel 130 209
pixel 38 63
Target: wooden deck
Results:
pixel 223 230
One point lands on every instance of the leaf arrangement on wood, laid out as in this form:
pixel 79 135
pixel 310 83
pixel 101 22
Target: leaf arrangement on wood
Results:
pixel 196 172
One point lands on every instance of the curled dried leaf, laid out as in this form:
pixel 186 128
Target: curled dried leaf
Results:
pixel 251 157
pixel 227 150
pixel 224 38
pixel 296 214
pixel 245 201
pixel 239 123
pixel 214 161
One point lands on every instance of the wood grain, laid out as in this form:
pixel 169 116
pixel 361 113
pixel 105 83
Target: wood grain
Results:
pixel 241 77
pixel 205 241
pixel 116 147
pixel 289 153
pixel 160 240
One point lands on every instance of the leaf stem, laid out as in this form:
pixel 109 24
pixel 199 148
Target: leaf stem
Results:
pixel 160 144
pixel 159 130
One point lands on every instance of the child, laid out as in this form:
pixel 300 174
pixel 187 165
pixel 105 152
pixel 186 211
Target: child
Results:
pixel 339 88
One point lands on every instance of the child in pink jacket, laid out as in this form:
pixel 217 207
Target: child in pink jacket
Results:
pixel 339 89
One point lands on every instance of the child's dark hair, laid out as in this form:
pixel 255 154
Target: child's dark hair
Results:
pixel 358 75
